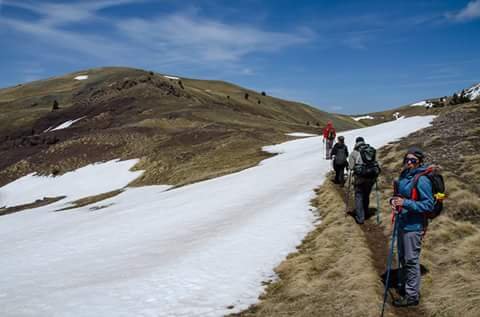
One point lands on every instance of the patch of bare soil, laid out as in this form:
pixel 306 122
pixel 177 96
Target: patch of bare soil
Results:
pixel 38 203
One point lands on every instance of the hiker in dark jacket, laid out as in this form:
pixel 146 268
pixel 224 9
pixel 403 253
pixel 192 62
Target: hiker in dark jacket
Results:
pixel 412 223
pixel 340 155
pixel 363 185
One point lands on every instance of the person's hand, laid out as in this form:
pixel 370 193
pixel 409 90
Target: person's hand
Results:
pixel 397 202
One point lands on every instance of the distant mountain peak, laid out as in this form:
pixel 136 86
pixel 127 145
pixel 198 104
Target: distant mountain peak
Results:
pixel 473 92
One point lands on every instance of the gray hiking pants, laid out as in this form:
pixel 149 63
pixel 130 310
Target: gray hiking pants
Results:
pixel 362 199
pixel 409 246
pixel 328 149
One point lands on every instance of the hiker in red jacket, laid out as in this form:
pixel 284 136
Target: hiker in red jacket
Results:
pixel 329 135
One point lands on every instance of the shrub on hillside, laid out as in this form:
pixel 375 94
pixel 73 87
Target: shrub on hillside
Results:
pixel 55 105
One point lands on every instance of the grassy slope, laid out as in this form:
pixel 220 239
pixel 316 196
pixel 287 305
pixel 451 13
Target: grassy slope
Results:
pixel 336 271
pixel 181 134
pixel 451 250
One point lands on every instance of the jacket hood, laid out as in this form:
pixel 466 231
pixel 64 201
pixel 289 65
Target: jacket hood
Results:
pixel 358 144
pixel 412 173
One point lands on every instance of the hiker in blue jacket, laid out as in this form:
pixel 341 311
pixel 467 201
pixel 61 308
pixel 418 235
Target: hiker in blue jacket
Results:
pixel 411 216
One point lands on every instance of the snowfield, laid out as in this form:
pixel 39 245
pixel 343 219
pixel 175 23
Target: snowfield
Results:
pixel 82 182
pixel 424 103
pixel 473 92
pixel 171 77
pixel 64 125
pixel 188 251
pixel 362 118
pixel 81 77
pixel 301 134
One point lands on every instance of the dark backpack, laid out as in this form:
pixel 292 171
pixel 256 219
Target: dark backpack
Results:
pixel 438 190
pixel 331 134
pixel 369 168
pixel 341 156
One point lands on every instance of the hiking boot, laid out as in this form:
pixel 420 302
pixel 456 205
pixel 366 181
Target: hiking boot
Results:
pixel 405 302
pixel 353 214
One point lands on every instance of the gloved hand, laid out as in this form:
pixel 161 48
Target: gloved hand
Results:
pixel 396 203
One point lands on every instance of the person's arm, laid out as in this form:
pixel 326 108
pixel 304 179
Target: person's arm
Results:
pixel 334 150
pixel 425 202
pixel 351 160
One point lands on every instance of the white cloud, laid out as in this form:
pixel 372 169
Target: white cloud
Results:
pixel 470 12
pixel 207 40
pixel 55 14
pixel 172 39
pixel 247 71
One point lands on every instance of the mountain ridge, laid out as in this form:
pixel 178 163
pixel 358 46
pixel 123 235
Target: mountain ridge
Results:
pixel 171 123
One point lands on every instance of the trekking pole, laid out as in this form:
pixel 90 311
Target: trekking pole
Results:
pixel 347 192
pixel 378 203
pixel 324 147
pixel 389 261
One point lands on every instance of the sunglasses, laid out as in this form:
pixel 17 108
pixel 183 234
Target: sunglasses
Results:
pixel 410 160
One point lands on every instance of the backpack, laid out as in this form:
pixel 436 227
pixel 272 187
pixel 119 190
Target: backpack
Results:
pixel 369 168
pixel 438 190
pixel 331 134
pixel 341 156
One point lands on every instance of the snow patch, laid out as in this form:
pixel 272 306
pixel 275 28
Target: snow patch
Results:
pixel 362 118
pixel 64 125
pixel 171 77
pixel 81 77
pixel 90 180
pixel 398 116
pixel 473 92
pixel 424 103
pixel 188 251
pixel 301 134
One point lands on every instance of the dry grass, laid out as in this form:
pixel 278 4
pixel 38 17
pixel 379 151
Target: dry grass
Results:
pixel 38 203
pixel 92 199
pixel 451 249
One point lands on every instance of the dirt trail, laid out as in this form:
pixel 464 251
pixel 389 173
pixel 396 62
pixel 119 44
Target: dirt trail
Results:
pixel 379 244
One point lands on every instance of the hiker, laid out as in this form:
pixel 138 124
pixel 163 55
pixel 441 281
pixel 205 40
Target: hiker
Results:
pixel 329 135
pixel 340 155
pixel 412 222
pixel 363 164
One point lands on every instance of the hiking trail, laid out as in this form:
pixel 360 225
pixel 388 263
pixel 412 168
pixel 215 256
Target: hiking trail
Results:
pixel 379 243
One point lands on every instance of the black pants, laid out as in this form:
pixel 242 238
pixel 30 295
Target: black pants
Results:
pixel 362 199
pixel 339 173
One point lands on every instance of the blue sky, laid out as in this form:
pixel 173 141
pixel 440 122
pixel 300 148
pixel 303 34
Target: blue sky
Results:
pixel 342 56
